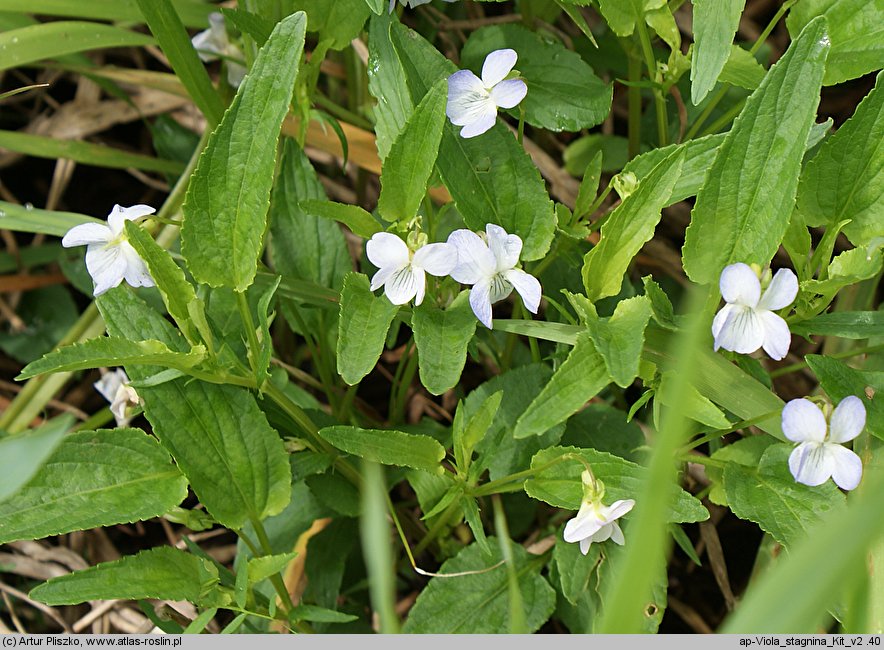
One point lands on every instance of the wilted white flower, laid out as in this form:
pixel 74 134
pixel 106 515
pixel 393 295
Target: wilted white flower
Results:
pixel 490 268
pixel 401 272
pixel 114 387
pixel 110 258
pixel 214 43
pixel 748 322
pixel 473 102
pixel 820 435
pixel 596 522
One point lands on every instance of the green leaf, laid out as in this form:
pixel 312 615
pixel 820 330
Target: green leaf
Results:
pixel 478 603
pixel 769 496
pixel 52 40
pixel 84 152
pixel 580 378
pixel 339 21
pixel 745 204
pixel 225 210
pixel 442 337
pixel 261 568
pixel 620 338
pixel 691 403
pixel 194 13
pixel 840 380
pixel 589 186
pixel 574 568
pixel 305 245
pixel 628 228
pixel 856 29
pixel 164 573
pixel 474 521
pixel 715 24
pixel 23 454
pixel 386 82
pixel 178 294
pixel 166 26
pixel 234 460
pixel 742 70
pixel 622 15
pixel 316 614
pixel 388 447
pixel 112 351
pixel 94 478
pixel 362 328
pixel 660 303
pixel 746 451
pixel 563 92
pixel 357 219
pixel 490 177
pixel 466 435
pixel 376 6
pixel 258 27
pixel 847 268
pixel 48 222
pixel 560 486
pixel 49 313
pixel 846 324
pixel 845 180
pixel 410 161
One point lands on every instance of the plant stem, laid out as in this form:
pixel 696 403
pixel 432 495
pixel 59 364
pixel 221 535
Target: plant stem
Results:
pixel 659 100
pixel 634 103
pixel 245 313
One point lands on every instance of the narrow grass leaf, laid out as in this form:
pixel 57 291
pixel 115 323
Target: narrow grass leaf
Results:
pixel 52 40
pixel 94 478
pixel 194 13
pixel 23 454
pixel 388 447
pixel 745 203
pixel 225 210
pixel 376 549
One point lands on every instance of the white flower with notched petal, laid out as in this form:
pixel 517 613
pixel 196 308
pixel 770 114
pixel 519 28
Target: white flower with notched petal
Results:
pixel 596 522
pixel 401 272
pixel 489 267
pixel 114 387
pixel 473 102
pixel 110 258
pixel 819 453
pixel 748 322
pixel 214 43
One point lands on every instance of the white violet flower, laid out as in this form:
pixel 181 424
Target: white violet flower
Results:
pixel 214 43
pixel 114 387
pixel 473 102
pixel 596 522
pixel 490 268
pixel 110 258
pixel 820 435
pixel 401 271
pixel 748 322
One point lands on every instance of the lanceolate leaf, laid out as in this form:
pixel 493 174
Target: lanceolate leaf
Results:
pixel 219 437
pixel 745 204
pixel 856 29
pixel 563 92
pixel 579 378
pixel 441 337
pixel 225 211
pixel 23 454
pixel 388 447
pixel 386 81
pixel 412 157
pixel 619 339
pixel 478 603
pixel 362 328
pixel 715 24
pixel 51 40
pixel 164 573
pixel 355 218
pixel 112 351
pixel 490 177
pixel 845 180
pixel 94 478
pixel 627 229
